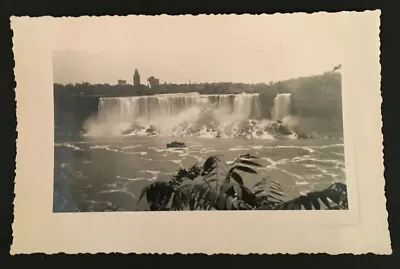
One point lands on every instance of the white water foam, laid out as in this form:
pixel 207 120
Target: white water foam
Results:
pixel 307 158
pixel 108 148
pixel 328 146
pixel 130 179
pixel 121 190
pixel 155 173
pixel 309 149
pixel 67 145
pixel 302 183
pixel 131 147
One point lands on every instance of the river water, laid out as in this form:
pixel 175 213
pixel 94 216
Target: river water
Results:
pixel 98 174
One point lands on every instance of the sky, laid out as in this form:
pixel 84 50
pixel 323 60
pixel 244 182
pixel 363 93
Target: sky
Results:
pixel 218 48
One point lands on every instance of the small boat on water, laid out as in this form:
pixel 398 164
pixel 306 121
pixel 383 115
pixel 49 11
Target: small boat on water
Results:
pixel 176 144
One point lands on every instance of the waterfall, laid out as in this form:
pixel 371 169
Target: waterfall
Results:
pixel 282 106
pixel 129 109
pixel 186 114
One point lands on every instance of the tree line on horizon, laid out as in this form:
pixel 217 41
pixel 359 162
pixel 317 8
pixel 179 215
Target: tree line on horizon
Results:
pixel 291 85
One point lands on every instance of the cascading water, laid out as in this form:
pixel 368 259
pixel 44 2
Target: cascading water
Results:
pixel 165 105
pixel 282 106
pixel 188 114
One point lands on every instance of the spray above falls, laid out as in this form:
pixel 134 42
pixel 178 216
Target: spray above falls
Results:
pixel 187 114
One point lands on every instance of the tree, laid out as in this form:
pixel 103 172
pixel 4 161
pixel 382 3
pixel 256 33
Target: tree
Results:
pixel 219 186
pixel 338 67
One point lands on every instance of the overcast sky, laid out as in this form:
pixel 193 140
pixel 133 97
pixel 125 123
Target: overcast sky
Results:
pixel 177 49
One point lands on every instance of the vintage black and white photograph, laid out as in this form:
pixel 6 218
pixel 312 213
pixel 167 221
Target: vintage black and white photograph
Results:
pixel 127 123
pixel 243 114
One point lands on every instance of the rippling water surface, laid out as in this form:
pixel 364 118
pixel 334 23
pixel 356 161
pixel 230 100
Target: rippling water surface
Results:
pixel 99 174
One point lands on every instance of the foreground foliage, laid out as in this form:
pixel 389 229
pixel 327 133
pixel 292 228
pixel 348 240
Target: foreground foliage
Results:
pixel 220 186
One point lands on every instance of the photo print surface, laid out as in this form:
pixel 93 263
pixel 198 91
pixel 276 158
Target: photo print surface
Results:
pixel 243 114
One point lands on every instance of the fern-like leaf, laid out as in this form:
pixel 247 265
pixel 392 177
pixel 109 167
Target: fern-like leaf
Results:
pixel 209 165
pixel 237 177
pixel 248 156
pixel 158 194
pixel 247 162
pixel 142 193
pixel 245 169
pixel 333 197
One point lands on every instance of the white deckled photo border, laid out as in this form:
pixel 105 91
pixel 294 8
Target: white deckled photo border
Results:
pixel 361 229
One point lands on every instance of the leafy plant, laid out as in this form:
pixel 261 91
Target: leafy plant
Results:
pixel 333 197
pixel 220 186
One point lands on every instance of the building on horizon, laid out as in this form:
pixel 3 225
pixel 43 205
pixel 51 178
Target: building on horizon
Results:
pixel 121 82
pixel 136 78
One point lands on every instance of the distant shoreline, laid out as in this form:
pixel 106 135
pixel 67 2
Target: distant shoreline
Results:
pixel 86 89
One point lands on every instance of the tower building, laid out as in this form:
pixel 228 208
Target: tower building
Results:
pixel 136 78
